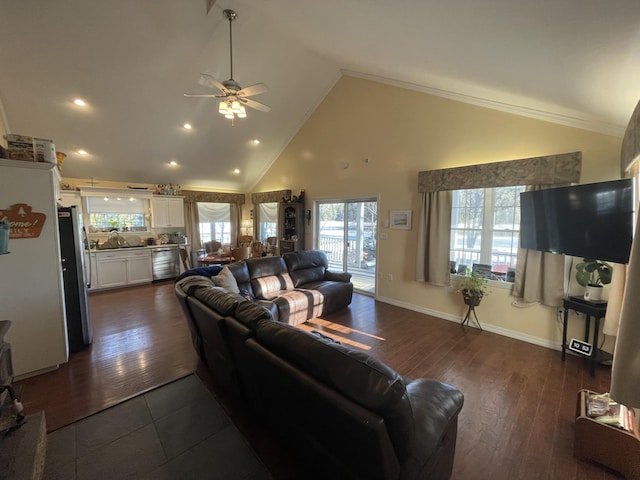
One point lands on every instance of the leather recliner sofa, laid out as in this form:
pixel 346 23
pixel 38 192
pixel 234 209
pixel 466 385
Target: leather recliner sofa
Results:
pixel 351 415
pixel 295 287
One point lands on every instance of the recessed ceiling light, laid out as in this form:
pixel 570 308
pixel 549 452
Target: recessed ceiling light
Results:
pixel 255 141
pixel 80 102
pixel 187 126
pixel 173 163
pixel 82 152
pixel 236 171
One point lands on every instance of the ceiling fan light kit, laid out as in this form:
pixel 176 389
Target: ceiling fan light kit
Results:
pixel 232 94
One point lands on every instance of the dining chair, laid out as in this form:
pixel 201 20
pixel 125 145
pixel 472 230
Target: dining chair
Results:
pixel 241 253
pixel 212 247
pixel 256 249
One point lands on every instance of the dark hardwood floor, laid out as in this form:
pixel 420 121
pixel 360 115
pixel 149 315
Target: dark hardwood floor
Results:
pixel 140 342
pixel 517 421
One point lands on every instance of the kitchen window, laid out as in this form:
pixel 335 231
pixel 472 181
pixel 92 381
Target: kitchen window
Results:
pixel 120 213
pixel 485 229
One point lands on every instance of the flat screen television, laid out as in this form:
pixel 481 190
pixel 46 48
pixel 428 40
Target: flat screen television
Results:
pixel 593 220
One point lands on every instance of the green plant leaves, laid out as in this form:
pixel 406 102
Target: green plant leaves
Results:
pixel 593 272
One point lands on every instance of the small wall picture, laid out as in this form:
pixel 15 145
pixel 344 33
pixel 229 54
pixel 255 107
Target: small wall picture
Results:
pixel 400 219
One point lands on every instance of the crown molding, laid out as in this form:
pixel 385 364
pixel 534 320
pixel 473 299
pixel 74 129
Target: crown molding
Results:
pixel 575 121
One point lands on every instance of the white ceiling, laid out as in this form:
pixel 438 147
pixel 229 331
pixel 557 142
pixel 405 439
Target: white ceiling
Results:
pixel 572 61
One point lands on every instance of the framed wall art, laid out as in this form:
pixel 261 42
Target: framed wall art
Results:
pixel 400 219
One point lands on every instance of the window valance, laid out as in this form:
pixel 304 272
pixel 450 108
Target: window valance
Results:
pixel 562 168
pixel 268 197
pixel 630 151
pixel 88 191
pixel 213 197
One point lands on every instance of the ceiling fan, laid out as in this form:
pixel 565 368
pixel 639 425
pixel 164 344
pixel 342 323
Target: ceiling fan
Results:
pixel 232 94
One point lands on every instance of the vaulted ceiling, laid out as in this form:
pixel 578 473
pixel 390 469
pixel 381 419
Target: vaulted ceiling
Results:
pixel 576 62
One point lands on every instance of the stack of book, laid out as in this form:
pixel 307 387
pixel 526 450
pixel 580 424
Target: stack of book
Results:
pixel 602 409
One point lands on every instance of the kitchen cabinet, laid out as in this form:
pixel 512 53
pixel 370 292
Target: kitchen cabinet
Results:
pixel 70 198
pixel 119 268
pixel 167 211
pixel 139 267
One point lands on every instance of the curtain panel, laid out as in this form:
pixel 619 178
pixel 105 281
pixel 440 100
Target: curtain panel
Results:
pixel 539 276
pixel 625 387
pixel 434 234
pixel 192 222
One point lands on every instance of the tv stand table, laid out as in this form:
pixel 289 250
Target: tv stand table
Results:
pixel 590 309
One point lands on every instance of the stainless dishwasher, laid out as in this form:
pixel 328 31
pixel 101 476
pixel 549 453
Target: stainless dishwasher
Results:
pixel 165 262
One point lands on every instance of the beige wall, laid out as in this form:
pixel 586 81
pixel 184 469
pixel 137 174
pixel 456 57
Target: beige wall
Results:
pixel 403 132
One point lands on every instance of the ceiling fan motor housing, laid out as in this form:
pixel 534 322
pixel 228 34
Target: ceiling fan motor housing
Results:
pixel 231 85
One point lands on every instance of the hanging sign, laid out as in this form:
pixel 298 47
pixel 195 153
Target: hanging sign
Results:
pixel 23 222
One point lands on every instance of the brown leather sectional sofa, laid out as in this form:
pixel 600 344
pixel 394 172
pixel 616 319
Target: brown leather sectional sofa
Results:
pixel 350 415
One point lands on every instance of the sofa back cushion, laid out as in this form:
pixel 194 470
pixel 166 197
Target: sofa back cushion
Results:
pixel 219 299
pixel 306 266
pixel 251 313
pixel 353 373
pixel 241 273
pixel 271 286
pixel 268 276
pixel 190 284
pixel 265 266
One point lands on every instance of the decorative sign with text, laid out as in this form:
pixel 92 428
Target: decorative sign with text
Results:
pixel 582 348
pixel 23 222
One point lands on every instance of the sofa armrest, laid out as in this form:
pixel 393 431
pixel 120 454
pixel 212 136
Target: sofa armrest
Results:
pixel 435 406
pixel 271 306
pixel 337 276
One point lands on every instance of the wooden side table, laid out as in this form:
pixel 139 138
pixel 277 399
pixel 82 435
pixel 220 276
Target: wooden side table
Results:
pixel 597 310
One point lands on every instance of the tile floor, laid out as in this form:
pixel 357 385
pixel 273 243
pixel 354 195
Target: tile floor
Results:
pixel 177 431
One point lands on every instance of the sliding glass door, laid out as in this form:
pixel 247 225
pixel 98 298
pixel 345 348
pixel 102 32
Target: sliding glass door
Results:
pixel 346 232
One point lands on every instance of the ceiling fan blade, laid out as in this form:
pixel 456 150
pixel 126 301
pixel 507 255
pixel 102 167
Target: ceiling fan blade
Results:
pixel 208 95
pixel 256 89
pixel 257 105
pixel 209 81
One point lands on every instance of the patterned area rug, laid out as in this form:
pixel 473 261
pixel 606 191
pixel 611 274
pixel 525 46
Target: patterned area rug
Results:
pixel 177 431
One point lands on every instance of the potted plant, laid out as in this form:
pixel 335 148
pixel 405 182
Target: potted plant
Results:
pixel 593 274
pixel 473 287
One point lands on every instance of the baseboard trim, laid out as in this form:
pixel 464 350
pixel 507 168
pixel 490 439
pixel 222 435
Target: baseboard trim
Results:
pixel 488 327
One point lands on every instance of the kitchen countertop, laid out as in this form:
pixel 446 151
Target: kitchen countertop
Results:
pixel 166 245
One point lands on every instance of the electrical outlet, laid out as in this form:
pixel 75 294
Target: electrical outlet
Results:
pixel 383 236
pixel 391 277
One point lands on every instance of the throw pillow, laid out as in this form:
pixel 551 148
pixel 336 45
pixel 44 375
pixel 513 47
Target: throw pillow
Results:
pixel 226 280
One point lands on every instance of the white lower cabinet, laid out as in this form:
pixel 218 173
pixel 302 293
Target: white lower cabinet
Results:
pixel 139 267
pixel 120 268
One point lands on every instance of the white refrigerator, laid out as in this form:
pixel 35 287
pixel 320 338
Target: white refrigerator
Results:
pixel 32 292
